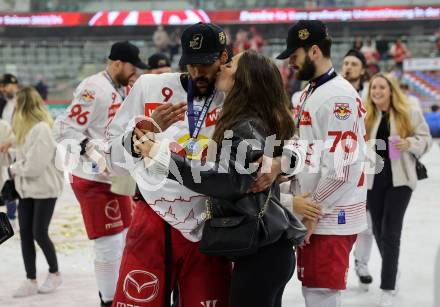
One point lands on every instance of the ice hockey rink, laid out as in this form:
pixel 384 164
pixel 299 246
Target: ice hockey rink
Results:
pixel 420 242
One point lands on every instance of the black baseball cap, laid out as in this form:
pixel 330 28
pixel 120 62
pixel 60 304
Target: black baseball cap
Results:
pixel 126 52
pixel 158 60
pixel 202 43
pixel 9 79
pixel 302 34
pixel 357 54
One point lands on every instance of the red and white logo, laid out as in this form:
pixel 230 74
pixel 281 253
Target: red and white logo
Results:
pixel 212 117
pixel 141 286
pixel 112 210
pixel 306 120
pixel 149 107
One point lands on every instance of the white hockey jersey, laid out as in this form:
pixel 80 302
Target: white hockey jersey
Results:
pixel 180 207
pixel 95 102
pixel 332 123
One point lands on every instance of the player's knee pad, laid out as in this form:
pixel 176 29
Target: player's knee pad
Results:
pixel 109 248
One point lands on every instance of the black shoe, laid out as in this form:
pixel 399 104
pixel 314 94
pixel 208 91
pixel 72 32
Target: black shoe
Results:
pixel 105 304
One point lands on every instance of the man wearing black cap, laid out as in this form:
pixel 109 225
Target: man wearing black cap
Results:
pixel 158 63
pixel 10 89
pixel 354 69
pixel 106 215
pixel 330 117
pixel 162 244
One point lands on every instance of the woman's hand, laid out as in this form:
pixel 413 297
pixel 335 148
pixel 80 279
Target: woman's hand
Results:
pixel 4 147
pixel 143 143
pixel 310 225
pixel 304 206
pixel 403 145
pixel 268 173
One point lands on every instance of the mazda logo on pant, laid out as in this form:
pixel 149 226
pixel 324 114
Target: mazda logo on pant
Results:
pixel 141 286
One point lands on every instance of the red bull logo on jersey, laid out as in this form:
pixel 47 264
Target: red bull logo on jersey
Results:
pixel 88 95
pixel 342 111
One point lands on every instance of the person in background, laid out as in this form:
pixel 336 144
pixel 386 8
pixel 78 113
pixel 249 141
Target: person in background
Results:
pixel 399 52
pixel 391 118
pixel 5 134
pixel 354 70
pixel 256 41
pixel 41 87
pixel 10 87
pixel 38 185
pixel 158 63
pixel 412 98
pixel 433 120
pixel 354 67
pixel 174 43
pixel 161 40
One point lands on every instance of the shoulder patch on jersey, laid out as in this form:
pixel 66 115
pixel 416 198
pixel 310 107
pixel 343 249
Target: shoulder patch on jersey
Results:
pixel 342 111
pixel 88 95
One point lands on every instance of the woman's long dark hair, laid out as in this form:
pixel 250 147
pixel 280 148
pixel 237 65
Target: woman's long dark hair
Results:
pixel 257 92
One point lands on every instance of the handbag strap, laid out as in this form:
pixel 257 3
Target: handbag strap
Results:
pixel 266 204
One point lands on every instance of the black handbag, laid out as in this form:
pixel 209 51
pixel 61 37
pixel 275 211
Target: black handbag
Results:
pixel 421 171
pixel 6 230
pixel 239 235
pixel 9 193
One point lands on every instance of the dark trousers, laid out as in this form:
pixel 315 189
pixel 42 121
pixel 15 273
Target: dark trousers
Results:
pixel 387 205
pixel 260 279
pixel 34 217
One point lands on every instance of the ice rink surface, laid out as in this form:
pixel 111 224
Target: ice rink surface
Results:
pixel 420 242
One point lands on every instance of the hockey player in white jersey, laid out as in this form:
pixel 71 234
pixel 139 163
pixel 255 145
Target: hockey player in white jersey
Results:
pixel 106 215
pixel 330 118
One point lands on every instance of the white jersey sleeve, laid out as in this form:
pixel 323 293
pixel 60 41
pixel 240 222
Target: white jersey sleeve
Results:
pixel 120 129
pixel 342 156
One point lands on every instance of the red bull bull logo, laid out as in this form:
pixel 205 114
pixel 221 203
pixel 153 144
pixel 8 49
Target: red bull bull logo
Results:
pixel 342 111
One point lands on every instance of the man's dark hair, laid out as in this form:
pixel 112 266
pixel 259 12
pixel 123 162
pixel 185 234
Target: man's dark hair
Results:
pixel 325 45
pixel 434 108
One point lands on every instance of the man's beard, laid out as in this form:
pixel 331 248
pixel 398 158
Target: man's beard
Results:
pixel 119 78
pixel 9 96
pixel 207 92
pixel 351 79
pixel 307 72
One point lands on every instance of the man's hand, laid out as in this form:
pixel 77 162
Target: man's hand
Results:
pixel 264 178
pixel 167 114
pixel 310 225
pixel 143 143
pixel 304 206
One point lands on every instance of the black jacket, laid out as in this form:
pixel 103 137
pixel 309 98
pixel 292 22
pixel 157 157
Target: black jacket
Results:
pixel 227 183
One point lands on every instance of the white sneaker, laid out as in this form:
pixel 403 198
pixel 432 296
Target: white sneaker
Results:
pixel 52 282
pixel 27 288
pixel 387 298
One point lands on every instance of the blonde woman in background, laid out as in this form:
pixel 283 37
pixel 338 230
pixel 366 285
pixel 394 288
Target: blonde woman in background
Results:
pixel 389 114
pixel 38 184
